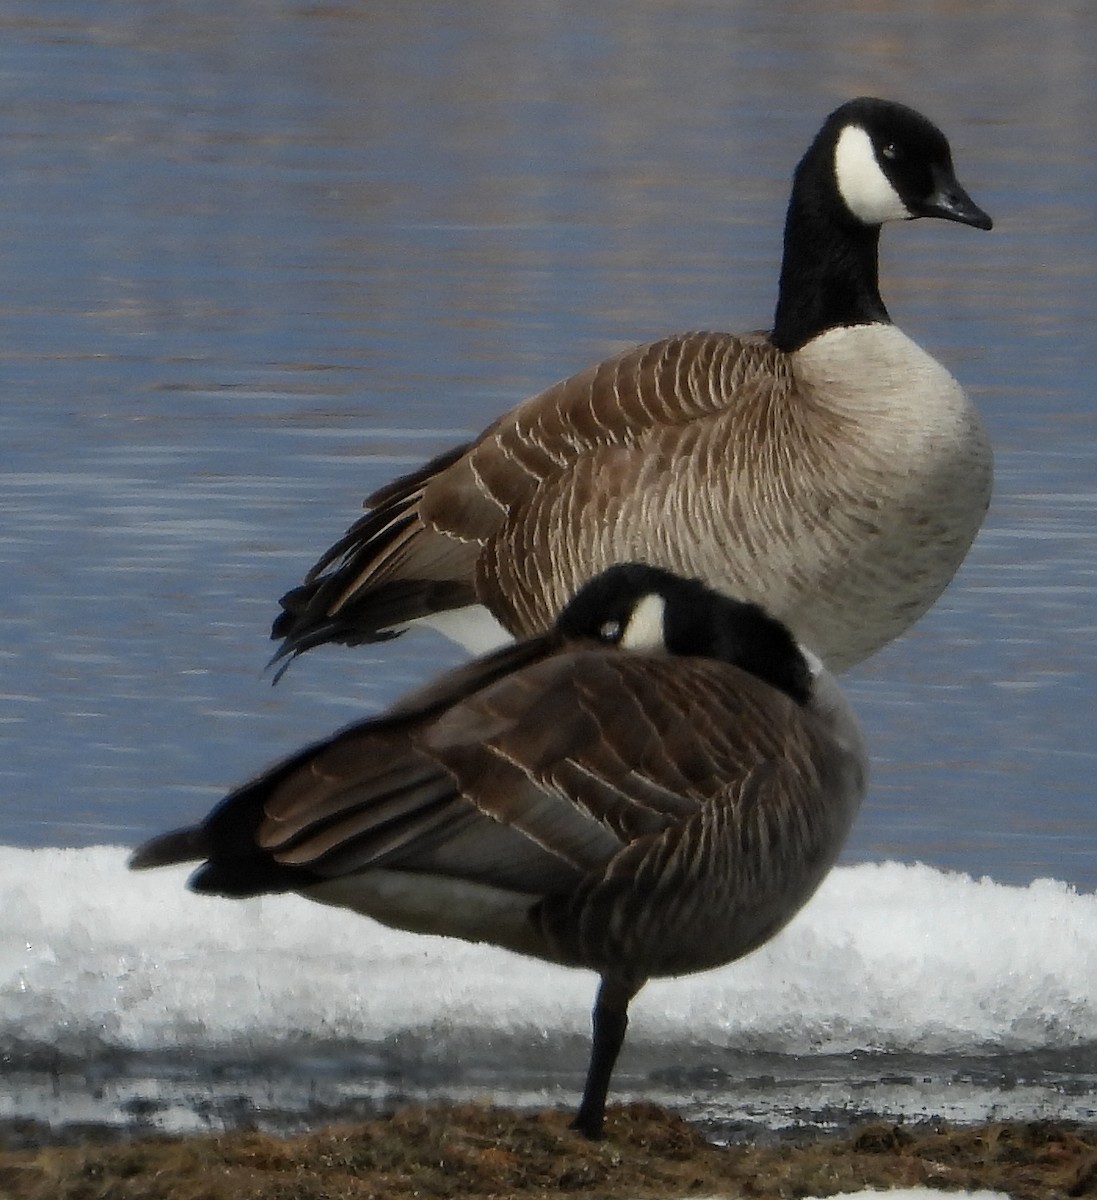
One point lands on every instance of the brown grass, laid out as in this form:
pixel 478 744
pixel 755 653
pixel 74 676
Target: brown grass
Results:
pixel 441 1152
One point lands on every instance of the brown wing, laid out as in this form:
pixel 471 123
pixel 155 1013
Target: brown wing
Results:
pixel 475 524
pixel 533 783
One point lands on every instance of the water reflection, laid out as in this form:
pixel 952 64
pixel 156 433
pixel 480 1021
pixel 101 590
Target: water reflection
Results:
pixel 259 259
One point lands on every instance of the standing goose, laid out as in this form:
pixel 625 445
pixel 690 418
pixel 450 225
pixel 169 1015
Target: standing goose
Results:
pixel 831 470
pixel 652 788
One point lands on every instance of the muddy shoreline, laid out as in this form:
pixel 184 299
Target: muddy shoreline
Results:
pixel 437 1152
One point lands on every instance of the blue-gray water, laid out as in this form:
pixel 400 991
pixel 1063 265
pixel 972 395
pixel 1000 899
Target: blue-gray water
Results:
pixel 257 258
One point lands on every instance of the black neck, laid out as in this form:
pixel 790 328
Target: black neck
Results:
pixel 829 275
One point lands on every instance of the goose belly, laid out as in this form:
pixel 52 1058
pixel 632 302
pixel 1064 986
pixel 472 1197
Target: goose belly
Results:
pixel 447 907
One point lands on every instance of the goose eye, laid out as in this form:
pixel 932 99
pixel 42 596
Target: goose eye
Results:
pixel 610 631
pixel 890 151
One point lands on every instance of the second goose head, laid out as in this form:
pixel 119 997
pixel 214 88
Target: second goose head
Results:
pixel 645 608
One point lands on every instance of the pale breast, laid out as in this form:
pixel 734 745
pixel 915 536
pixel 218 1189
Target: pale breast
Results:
pixel 915 474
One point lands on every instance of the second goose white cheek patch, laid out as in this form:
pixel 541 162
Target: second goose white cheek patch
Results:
pixel 644 630
pixel 862 184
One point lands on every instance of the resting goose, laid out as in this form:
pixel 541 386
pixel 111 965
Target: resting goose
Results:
pixel 830 470
pixel 654 787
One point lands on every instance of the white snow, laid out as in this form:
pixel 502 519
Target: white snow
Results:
pixel 886 957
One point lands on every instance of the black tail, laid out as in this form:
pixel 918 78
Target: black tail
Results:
pixel 345 597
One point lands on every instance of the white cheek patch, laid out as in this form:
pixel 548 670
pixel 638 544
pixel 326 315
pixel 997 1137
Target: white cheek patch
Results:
pixel 644 630
pixel 866 190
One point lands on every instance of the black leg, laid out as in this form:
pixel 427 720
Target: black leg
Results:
pixel 610 1020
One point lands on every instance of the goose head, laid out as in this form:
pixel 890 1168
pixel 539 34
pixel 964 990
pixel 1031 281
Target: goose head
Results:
pixel 646 609
pixel 890 163
pixel 873 161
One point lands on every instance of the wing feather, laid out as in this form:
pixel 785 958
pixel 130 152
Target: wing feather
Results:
pixel 466 527
pixel 529 770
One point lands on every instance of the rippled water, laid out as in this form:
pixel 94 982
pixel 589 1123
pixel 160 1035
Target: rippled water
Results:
pixel 258 258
